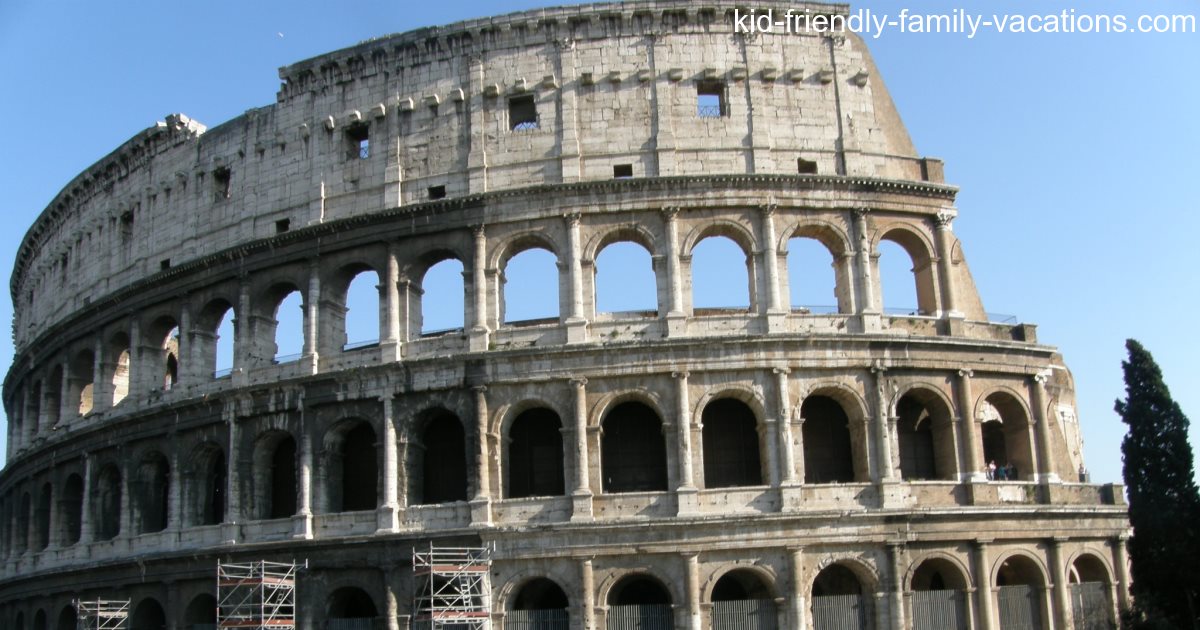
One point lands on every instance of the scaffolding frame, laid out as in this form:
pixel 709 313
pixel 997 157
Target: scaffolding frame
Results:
pixel 256 595
pixel 101 614
pixel 456 589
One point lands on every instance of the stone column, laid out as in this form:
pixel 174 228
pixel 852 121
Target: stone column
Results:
pixel 886 471
pixel 479 328
pixel 945 245
pixel 391 599
pixel 896 602
pixel 139 363
pixel 243 351
pixel 581 496
pixel 866 281
pixel 971 444
pixel 125 525
pixel 1121 565
pixel 983 582
pixel 312 312
pixel 302 526
pixel 1062 596
pixel 389 511
pixel 799 604
pixel 233 491
pixel 695 621
pixel 481 511
pixel 67 410
pixel 786 452
pixel 1045 442
pixel 85 517
pixel 173 604
pixel 175 491
pixel 575 321
pixel 683 423
pixel 776 310
pixel 390 342
pixel 186 372
pixel 676 318
pixel 587 582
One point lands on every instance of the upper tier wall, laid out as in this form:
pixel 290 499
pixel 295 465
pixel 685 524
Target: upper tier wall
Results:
pixel 434 106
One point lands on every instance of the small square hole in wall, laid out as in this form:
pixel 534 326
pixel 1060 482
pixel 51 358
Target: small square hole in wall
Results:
pixel 806 167
pixel 164 264
pixel 710 99
pixel 437 192
pixel 622 171
pixel 283 225
pixel 358 142
pixel 522 113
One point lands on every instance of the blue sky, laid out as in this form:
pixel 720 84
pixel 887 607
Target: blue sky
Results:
pixel 1074 152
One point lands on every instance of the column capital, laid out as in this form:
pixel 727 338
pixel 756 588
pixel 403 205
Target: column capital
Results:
pixel 983 542
pixel 479 389
pixel 768 209
pixel 670 212
pixel 680 374
pixel 479 231
pixel 1041 377
pixel 572 219
pixel 944 218
pixel 966 373
pixel 877 367
pixel 579 381
pixel 781 370
pixel 860 214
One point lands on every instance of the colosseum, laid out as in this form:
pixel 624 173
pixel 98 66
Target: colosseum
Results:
pixel 685 467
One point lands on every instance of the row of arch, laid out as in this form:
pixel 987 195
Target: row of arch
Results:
pixel 307 311
pixel 147 493
pixel 839 598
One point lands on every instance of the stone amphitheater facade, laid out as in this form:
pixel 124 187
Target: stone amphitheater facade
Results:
pixel 687 461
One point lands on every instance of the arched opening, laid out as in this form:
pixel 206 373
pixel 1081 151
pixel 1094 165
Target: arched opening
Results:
pixel 828 456
pixel 67 620
pixel 39 620
pixel 19 622
pixel 1006 437
pixel 275 475
pixel 741 600
pixel 107 515
pixel 540 604
pixel 206 485
pixel 148 615
pixel 812 289
pixel 442 296
pixel 118 349
pixel 153 485
pixel 721 275
pixel 42 517
pixel 731 445
pixel 905 272
pixel 530 281
pixel 535 455
pixel 1090 587
pixel 925 437
pixel 1019 596
pixel 83 370
pixel 163 334
pixel 350 608
pixel 287 326
pixel 441 461
pixel 624 279
pixel 633 451
pixel 213 339
pixel 939 596
pixel 201 613
pixel 837 600
pixel 639 602
pixel 54 386
pixel 71 506
pixel 362 320
pixel 353 470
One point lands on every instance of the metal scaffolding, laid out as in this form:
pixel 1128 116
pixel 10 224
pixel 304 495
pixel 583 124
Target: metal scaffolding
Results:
pixel 101 614
pixel 256 595
pixel 453 589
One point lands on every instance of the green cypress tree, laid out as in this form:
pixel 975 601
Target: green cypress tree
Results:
pixel 1164 504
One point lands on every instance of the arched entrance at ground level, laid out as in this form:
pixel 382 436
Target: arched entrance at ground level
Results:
pixel 67 619
pixel 837 600
pixel 148 615
pixel 741 600
pixel 350 608
pixel 201 613
pixel 939 596
pixel 1091 607
pixel 639 602
pixel 39 620
pixel 539 605
pixel 1019 596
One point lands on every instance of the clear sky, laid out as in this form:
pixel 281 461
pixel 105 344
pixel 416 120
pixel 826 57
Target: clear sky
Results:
pixel 1074 151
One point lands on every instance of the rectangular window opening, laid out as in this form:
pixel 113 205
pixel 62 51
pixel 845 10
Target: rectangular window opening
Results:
pixel 522 113
pixel 710 99
pixel 622 171
pixel 164 264
pixel 222 178
pixel 358 142
pixel 437 192
pixel 283 225
pixel 806 167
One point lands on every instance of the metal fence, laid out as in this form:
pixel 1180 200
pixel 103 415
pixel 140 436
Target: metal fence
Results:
pixel 939 610
pixel 1090 606
pixel 641 617
pixel 554 619
pixel 839 612
pixel 350 624
pixel 744 614
pixel 1020 607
